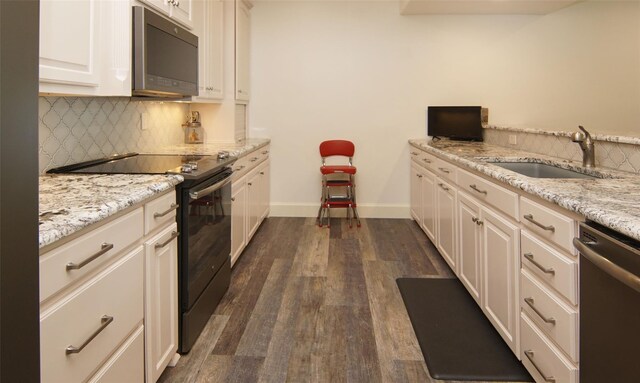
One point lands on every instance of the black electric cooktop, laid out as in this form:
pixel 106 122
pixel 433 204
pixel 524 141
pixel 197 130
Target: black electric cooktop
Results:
pixel 191 167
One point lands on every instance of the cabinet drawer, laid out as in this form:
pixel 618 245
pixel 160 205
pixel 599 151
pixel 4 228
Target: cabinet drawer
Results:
pixel 486 191
pixel 446 170
pixel 264 152
pixel 78 258
pixel 556 319
pixel 425 159
pixel 551 225
pixel 557 270
pixel 115 293
pixel 160 212
pixel 541 358
pixel 240 168
pixel 126 364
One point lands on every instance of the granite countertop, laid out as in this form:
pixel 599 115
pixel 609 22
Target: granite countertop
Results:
pixel 70 203
pixel 236 150
pixel 613 201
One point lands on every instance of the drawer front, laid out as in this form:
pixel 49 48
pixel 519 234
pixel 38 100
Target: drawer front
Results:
pixel 127 364
pixel 240 168
pixel 88 253
pixel 486 191
pixel 115 293
pixel 556 319
pixel 558 271
pixel 549 224
pixel 160 212
pixel 264 152
pixel 541 358
pixel 427 160
pixel 446 170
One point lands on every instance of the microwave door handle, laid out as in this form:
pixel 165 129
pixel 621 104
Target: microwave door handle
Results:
pixel 196 194
pixel 607 266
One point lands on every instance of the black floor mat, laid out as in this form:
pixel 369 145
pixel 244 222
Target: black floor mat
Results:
pixel 458 342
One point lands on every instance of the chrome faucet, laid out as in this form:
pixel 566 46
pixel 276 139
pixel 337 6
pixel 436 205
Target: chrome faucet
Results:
pixel 583 138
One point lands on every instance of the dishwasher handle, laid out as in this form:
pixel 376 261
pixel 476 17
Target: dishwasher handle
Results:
pixel 607 266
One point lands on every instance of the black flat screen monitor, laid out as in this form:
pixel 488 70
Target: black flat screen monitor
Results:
pixel 455 122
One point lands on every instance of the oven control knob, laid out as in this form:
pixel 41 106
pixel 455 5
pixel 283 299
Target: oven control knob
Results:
pixel 186 168
pixel 193 164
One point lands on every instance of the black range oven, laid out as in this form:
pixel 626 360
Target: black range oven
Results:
pixel 204 223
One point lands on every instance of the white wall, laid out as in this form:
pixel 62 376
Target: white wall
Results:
pixel 360 71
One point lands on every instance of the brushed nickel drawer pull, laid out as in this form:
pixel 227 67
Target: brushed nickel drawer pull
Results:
pixel 474 219
pixel 479 222
pixel 254 159
pixel 529 217
pixel 445 170
pixel 173 207
pixel 474 187
pixel 545 270
pixel 530 302
pixel 261 173
pixel 174 235
pixel 414 153
pixel 426 160
pixel 529 354
pixel 239 168
pixel 444 187
pixel 105 321
pixel 105 247
pixel 419 175
pixel 265 152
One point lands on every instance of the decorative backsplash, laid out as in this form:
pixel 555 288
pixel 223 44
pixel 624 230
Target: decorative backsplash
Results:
pixel 76 129
pixel 611 152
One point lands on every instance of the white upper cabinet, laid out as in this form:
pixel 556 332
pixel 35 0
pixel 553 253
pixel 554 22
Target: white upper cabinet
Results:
pixel 487 7
pixel 243 33
pixel 208 25
pixel 85 47
pixel 180 11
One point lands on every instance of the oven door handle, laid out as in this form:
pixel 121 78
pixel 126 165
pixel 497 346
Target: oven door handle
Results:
pixel 196 194
pixel 607 266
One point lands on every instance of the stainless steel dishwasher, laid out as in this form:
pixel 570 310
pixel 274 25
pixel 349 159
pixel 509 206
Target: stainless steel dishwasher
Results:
pixel 609 305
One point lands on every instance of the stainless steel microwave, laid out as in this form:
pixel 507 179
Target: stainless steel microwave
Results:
pixel 165 57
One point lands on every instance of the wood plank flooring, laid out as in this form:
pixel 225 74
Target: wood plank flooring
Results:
pixel 310 304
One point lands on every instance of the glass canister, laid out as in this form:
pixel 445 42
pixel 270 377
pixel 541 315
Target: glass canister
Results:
pixel 193 132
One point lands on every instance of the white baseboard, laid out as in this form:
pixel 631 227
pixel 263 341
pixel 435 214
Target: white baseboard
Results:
pixel 364 210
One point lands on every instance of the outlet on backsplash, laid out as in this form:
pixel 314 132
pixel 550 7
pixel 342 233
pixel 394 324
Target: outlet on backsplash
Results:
pixel 144 121
pixel 513 139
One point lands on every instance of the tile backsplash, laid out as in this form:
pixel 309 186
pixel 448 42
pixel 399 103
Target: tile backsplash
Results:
pixel 76 129
pixel 614 155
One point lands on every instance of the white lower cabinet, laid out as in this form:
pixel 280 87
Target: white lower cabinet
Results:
pixel 446 222
pixel 109 312
pixel 161 301
pixel 250 194
pixel 423 202
pixel 500 267
pixel 469 248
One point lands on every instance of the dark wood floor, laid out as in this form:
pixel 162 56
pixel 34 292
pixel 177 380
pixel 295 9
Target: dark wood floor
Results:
pixel 309 304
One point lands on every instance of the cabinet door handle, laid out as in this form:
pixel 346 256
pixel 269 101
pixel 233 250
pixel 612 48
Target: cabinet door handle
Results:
pixel 477 221
pixel 529 217
pixel 545 270
pixel 249 183
pixel 414 153
pixel 443 187
pixel 105 321
pixel 530 302
pixel 171 208
pixel 529 355
pixel 104 248
pixel 233 199
pixel 426 160
pixel 174 235
pixel 419 175
pixel 474 187
pixel 261 173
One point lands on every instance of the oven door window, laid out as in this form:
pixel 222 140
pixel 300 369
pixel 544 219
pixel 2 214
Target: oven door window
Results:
pixel 209 236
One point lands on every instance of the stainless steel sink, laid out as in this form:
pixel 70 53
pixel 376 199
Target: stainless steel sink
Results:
pixel 536 170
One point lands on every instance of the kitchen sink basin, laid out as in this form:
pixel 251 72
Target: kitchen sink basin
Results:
pixel 536 170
